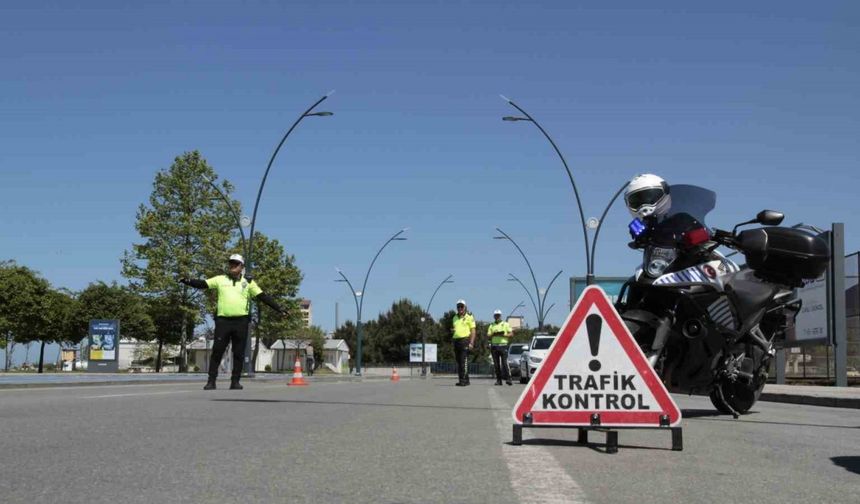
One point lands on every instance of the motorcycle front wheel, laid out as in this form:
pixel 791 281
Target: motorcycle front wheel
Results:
pixel 736 396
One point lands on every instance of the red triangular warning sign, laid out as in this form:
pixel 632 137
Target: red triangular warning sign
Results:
pixel 594 366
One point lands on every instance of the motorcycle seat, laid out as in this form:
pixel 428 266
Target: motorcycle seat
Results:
pixel 750 297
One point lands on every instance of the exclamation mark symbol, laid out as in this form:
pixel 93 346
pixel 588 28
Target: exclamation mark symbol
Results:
pixel 593 324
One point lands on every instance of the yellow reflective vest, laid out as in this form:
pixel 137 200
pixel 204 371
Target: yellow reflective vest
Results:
pixel 233 295
pixel 499 332
pixel 463 326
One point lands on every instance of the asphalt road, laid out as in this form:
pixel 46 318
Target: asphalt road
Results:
pixel 412 441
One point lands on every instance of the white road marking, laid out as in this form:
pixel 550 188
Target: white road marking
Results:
pixel 540 480
pixel 139 394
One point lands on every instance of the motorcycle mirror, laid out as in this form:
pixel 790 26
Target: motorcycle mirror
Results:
pixel 770 217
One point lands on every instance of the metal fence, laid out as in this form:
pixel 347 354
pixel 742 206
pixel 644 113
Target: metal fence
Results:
pixel 817 363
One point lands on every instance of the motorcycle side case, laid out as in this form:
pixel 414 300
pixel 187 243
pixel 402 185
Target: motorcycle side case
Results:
pixel 785 255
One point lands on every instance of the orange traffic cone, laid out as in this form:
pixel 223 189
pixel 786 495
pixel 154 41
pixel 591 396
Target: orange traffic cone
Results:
pixel 394 376
pixel 298 379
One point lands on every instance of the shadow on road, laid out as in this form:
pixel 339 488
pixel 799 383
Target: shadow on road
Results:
pixel 718 417
pixel 699 413
pixel 598 447
pixel 848 463
pixel 350 403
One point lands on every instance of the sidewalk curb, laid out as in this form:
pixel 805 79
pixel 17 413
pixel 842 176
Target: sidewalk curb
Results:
pixel 811 400
pixel 200 380
pixel 90 383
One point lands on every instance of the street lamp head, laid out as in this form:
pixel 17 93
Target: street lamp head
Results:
pixel 500 237
pixel 358 293
pixel 515 118
pixel 320 114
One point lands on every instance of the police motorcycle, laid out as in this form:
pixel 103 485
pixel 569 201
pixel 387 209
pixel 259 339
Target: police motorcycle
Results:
pixel 707 325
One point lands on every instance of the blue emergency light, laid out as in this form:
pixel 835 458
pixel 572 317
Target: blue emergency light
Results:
pixel 636 227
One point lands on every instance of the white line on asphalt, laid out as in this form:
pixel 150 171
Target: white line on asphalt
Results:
pixel 139 394
pixel 541 479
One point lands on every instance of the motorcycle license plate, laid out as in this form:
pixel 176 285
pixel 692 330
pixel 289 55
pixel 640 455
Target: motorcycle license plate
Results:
pixel 666 254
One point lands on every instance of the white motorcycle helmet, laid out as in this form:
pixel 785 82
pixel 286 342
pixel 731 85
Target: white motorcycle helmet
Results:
pixel 647 195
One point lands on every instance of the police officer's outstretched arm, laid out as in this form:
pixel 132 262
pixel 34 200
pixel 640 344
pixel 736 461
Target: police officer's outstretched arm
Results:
pixel 191 282
pixel 270 301
pixel 258 293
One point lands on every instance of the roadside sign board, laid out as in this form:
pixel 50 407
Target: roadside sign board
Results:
pixel 595 367
pixel 610 285
pixel 103 346
pixel 415 352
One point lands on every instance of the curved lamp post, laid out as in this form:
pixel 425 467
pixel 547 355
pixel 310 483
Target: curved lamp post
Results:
pixel 359 304
pixel 541 294
pixel 249 256
pixel 232 212
pixel 423 338
pixel 589 277
pixel 597 233
pixel 517 307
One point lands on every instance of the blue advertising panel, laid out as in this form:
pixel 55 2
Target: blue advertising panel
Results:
pixel 610 285
pixel 103 346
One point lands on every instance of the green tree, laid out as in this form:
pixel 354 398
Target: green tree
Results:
pixel 186 229
pixel 389 341
pixel 522 335
pixel 102 301
pixel 167 317
pixel 22 306
pixel 60 308
pixel 316 336
pixel 276 273
pixel 444 329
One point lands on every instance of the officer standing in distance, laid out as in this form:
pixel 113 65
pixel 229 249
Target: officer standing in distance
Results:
pixel 464 340
pixel 231 321
pixel 499 332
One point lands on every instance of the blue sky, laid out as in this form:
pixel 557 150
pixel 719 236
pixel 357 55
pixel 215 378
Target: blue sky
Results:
pixel 757 101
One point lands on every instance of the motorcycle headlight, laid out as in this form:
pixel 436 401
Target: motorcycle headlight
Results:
pixel 656 267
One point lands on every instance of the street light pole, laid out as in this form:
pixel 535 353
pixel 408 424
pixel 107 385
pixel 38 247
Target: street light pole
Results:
pixel 597 232
pixel 517 307
pixel 589 279
pixel 249 260
pixel 233 212
pixel 356 294
pixel 541 296
pixel 423 328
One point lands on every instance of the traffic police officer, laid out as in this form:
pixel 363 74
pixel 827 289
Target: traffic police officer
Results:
pixel 231 322
pixel 499 332
pixel 464 340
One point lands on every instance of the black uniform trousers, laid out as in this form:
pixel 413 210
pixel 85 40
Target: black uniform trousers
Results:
pixel 461 353
pixel 232 330
pixel 500 362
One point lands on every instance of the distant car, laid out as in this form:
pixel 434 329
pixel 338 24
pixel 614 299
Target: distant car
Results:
pixel 515 350
pixel 530 360
pixel 852 372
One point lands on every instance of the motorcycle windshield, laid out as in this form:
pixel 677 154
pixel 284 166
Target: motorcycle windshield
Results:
pixel 692 200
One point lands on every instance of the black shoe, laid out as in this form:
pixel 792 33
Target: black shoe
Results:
pixel 499 382
pixel 235 385
pixel 509 382
pixel 210 385
pixel 460 384
pixel 466 384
